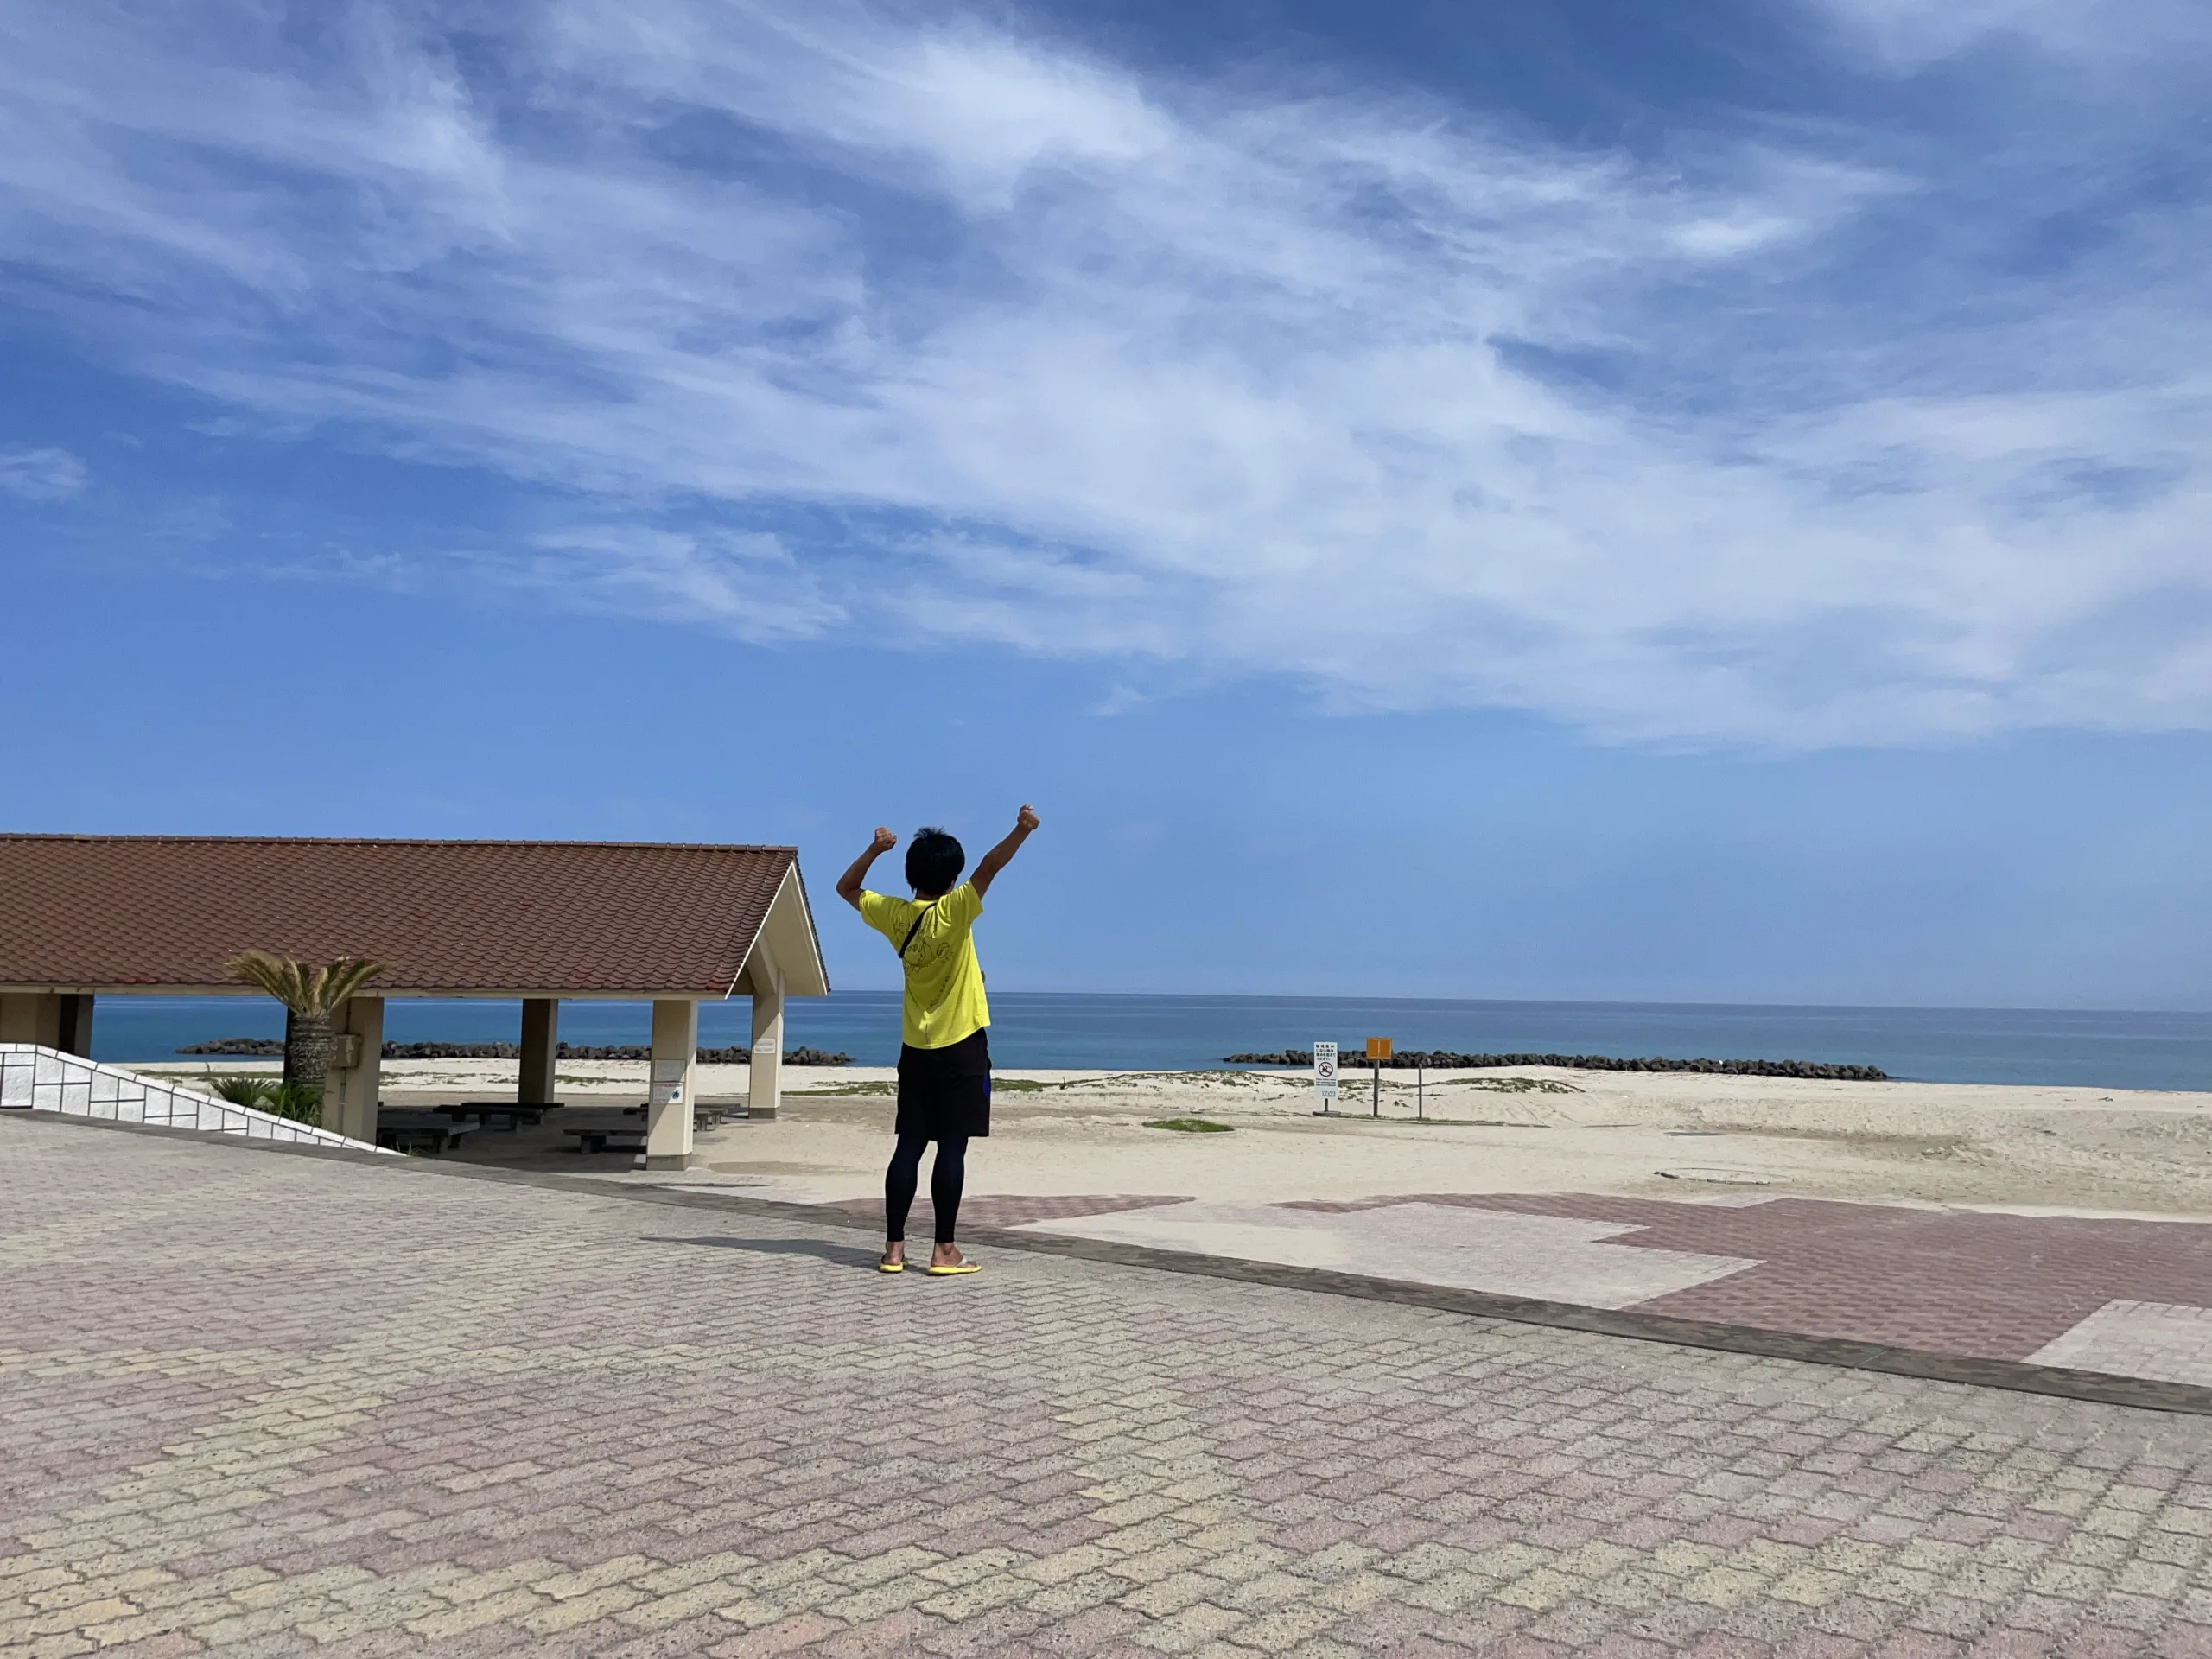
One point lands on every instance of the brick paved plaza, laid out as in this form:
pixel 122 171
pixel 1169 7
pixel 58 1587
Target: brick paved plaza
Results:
pixel 2122 1298
pixel 265 1403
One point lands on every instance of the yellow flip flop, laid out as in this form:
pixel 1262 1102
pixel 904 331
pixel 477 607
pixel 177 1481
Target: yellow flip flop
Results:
pixel 891 1267
pixel 956 1266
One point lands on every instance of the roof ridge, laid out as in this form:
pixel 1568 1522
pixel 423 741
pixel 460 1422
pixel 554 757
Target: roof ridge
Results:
pixel 403 840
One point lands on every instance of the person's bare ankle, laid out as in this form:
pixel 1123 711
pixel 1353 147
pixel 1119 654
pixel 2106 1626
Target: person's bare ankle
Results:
pixel 894 1252
pixel 944 1255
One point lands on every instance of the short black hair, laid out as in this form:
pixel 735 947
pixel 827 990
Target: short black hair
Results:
pixel 934 860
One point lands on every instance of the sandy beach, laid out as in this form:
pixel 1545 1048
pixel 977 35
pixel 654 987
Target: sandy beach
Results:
pixel 2060 1151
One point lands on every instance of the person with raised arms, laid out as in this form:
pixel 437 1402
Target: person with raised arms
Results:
pixel 944 1057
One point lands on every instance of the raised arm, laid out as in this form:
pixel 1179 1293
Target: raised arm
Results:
pixel 1002 854
pixel 849 884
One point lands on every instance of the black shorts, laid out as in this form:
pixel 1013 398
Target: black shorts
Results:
pixel 946 1091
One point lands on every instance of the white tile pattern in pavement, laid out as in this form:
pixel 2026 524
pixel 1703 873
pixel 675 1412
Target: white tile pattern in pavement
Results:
pixel 1554 1258
pixel 2169 1342
pixel 46 1080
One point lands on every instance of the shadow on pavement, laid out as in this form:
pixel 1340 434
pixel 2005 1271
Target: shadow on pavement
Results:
pixel 844 1255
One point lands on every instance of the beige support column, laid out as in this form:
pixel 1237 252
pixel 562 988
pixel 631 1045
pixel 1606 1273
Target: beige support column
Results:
pixel 349 1093
pixel 764 1090
pixel 31 1017
pixel 668 1115
pixel 541 1032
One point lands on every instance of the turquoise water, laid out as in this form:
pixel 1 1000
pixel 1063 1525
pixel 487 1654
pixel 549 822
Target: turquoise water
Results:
pixel 2111 1050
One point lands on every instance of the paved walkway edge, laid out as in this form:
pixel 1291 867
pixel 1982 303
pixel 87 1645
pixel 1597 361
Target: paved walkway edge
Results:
pixel 2104 1388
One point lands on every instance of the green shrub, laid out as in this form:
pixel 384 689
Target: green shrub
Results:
pixel 292 1100
pixel 243 1090
pixel 1189 1126
pixel 296 1101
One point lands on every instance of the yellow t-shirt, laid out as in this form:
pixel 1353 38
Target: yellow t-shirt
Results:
pixel 944 983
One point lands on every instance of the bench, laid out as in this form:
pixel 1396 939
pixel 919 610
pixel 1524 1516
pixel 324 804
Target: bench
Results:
pixel 736 1110
pixel 609 1137
pixel 705 1114
pixel 605 1134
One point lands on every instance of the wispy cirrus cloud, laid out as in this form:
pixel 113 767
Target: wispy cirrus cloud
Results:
pixel 1818 436
pixel 1910 36
pixel 40 474
pixel 747 584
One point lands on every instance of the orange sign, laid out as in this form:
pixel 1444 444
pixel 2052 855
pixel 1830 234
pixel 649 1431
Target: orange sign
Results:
pixel 1378 1048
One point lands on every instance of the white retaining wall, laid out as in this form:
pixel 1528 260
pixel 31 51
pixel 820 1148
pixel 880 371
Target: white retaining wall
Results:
pixel 46 1080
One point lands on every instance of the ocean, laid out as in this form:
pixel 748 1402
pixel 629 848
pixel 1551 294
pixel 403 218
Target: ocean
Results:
pixel 2108 1050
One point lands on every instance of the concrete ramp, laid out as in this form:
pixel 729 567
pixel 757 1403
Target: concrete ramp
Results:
pixel 34 1078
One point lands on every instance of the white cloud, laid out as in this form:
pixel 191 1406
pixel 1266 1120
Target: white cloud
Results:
pixel 1348 390
pixel 44 474
pixel 1909 34
pixel 747 584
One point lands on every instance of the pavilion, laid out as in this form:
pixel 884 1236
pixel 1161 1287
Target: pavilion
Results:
pixel 538 921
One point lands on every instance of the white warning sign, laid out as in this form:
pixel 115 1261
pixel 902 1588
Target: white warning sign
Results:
pixel 1324 1070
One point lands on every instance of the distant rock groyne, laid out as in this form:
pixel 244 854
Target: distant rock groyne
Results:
pixel 264 1048
pixel 1441 1060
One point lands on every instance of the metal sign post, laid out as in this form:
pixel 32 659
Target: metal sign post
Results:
pixel 1378 1050
pixel 1324 1075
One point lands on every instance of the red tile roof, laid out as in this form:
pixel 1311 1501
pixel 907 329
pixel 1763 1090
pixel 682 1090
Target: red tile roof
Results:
pixel 443 916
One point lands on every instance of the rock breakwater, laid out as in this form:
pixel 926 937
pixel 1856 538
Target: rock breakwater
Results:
pixel 1443 1061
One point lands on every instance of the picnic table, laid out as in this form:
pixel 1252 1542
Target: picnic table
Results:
pixel 515 1112
pixel 605 1133
pixel 403 1130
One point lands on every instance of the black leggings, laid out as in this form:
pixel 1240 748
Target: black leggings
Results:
pixel 947 1176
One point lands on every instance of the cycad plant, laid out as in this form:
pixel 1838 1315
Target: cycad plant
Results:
pixel 310 997
pixel 267 1095
pixel 240 1090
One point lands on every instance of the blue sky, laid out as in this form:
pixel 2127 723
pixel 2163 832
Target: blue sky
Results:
pixel 1701 503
